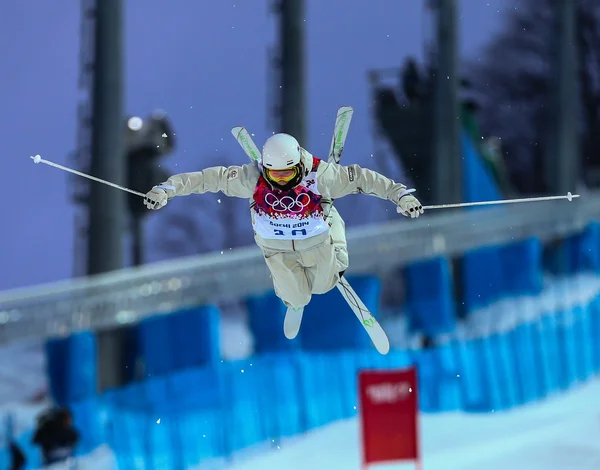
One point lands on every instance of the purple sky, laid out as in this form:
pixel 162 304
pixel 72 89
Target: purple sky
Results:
pixel 204 62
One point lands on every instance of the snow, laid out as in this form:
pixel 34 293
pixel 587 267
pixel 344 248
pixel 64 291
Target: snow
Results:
pixel 101 459
pixel 22 371
pixel 561 433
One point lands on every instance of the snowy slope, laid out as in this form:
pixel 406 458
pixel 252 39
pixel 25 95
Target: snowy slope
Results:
pixel 22 371
pixel 559 434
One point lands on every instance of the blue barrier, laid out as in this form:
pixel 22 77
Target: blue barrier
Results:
pixel 265 314
pixel 71 367
pixel 584 249
pixel 184 339
pixel 521 264
pixel 211 412
pixel 430 297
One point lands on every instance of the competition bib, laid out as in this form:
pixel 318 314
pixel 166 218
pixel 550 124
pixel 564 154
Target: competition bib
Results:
pixel 289 215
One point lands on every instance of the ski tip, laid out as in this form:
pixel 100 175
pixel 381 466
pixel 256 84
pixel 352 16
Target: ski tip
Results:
pixel 383 348
pixel 236 130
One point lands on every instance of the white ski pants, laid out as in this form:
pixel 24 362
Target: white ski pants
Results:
pixel 311 269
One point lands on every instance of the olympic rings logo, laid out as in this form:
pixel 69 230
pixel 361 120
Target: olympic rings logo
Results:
pixel 288 203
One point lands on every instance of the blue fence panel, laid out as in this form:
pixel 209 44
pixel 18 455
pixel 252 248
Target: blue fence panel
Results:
pixel 430 297
pixel 480 291
pixel 156 345
pixel 526 363
pixel 184 339
pixel 550 354
pixel 71 365
pixel 566 348
pixel 522 268
pixel 469 380
pixel 584 249
pixel 266 313
pixel 242 385
pixel 449 387
pixel 583 342
pixel 594 311
pixel 196 334
pixel 283 402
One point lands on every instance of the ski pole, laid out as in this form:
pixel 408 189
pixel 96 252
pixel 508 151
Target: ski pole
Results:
pixel 39 159
pixel 568 197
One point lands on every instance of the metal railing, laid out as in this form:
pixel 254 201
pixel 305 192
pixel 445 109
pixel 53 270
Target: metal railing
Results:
pixel 130 295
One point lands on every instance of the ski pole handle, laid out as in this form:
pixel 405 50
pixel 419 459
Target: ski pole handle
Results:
pixel 39 159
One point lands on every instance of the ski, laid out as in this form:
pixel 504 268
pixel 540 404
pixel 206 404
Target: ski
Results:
pixel 245 140
pixel 338 140
pixel 371 325
pixel 367 320
pixel 340 132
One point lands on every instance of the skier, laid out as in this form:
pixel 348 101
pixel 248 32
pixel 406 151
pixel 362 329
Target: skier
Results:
pixel 300 233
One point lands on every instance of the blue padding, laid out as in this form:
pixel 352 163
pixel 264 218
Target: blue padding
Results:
pixel 156 345
pixel 184 339
pixel 594 311
pixel 583 340
pixel 544 371
pixel 449 386
pixel 156 394
pixel 429 297
pixel 87 420
pixel 585 249
pixel 283 403
pixel 503 358
pixel 439 385
pixel 57 351
pixel 511 270
pixel 550 354
pixel 329 323
pixel 71 365
pixel 242 383
pixel 159 445
pixel 316 383
pixel 566 348
pixel 482 277
pixel 427 375
pixel 197 388
pixel 196 337
pixel 522 268
pixel 526 363
pixel 472 387
pixel 266 313
pixel 488 369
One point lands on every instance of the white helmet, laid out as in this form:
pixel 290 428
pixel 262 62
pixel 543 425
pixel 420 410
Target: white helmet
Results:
pixel 281 151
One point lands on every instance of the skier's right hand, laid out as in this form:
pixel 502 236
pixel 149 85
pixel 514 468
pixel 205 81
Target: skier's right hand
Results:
pixel 156 198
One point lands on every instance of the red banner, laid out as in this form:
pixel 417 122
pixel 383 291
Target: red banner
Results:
pixel 389 416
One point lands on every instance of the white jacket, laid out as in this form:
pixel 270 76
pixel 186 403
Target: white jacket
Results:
pixel 333 180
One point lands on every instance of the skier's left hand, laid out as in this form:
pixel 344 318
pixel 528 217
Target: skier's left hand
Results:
pixel 408 205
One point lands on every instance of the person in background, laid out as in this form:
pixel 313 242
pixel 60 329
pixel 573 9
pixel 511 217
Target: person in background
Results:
pixel 56 436
pixel 17 457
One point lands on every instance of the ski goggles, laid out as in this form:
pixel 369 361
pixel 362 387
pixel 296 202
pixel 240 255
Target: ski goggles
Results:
pixel 282 176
